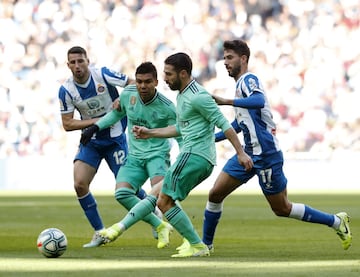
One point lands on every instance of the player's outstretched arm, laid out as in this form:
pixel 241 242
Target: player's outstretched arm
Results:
pixel 141 132
pixel 243 158
pixel 71 124
pixel 222 101
pixel 254 101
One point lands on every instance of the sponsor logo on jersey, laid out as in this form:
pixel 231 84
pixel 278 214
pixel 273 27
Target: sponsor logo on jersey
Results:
pixel 93 103
pixel 140 122
pixel 94 107
pixel 133 100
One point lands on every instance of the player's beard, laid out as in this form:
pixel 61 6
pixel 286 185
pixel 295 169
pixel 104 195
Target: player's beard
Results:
pixel 235 71
pixel 176 85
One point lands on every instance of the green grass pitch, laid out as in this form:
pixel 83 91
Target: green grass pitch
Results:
pixel 250 239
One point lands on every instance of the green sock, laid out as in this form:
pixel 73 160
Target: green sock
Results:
pixel 126 197
pixel 143 210
pixel 182 223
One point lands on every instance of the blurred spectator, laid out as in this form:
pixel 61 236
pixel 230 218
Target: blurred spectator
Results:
pixel 305 51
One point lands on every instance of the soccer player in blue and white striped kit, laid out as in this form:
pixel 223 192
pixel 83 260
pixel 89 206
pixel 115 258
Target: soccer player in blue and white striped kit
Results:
pixel 254 119
pixel 91 91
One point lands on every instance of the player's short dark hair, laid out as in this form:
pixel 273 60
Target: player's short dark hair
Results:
pixel 147 67
pixel 240 47
pixel 180 61
pixel 77 50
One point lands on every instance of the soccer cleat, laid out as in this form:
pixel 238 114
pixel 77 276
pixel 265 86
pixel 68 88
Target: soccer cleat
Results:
pixel 343 231
pixel 194 250
pixel 186 244
pixel 163 231
pixel 211 248
pixel 159 214
pixel 110 234
pixel 96 241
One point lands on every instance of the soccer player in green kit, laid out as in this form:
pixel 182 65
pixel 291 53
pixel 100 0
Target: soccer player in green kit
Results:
pixel 197 116
pixel 142 105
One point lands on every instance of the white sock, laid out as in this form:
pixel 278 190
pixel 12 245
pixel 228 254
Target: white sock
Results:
pixel 122 226
pixel 214 207
pixel 337 222
pixel 297 211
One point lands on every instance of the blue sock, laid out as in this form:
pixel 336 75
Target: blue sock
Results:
pixel 316 216
pixel 141 194
pixel 88 204
pixel 211 220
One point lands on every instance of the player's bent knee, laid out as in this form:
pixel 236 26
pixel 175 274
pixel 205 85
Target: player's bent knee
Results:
pixel 125 196
pixel 216 197
pixel 123 193
pixel 81 189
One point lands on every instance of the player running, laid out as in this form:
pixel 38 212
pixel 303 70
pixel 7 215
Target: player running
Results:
pixel 197 116
pixel 253 117
pixel 91 91
pixel 142 105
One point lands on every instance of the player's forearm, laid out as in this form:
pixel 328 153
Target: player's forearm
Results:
pixel 77 124
pixel 109 119
pixel 166 132
pixel 255 101
pixel 231 135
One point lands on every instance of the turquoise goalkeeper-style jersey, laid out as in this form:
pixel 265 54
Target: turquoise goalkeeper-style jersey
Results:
pixel 197 116
pixel 158 113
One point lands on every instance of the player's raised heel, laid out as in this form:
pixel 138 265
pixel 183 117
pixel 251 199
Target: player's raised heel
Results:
pixel 96 241
pixel 110 234
pixel 163 231
pixel 344 232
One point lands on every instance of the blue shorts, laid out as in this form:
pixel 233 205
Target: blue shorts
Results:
pixel 269 170
pixel 113 150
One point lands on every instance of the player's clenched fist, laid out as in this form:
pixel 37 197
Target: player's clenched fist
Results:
pixel 88 133
pixel 140 132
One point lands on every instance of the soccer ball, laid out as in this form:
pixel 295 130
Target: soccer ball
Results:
pixel 52 243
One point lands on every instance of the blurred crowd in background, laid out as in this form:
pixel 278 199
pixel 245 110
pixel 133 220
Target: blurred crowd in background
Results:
pixel 306 52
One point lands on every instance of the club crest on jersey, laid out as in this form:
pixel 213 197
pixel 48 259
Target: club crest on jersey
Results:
pixel 133 100
pixel 100 88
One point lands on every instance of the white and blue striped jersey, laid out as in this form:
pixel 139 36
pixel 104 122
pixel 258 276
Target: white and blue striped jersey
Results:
pixel 94 98
pixel 257 125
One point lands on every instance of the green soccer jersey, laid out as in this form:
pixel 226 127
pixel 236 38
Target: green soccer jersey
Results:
pixel 197 116
pixel 159 112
